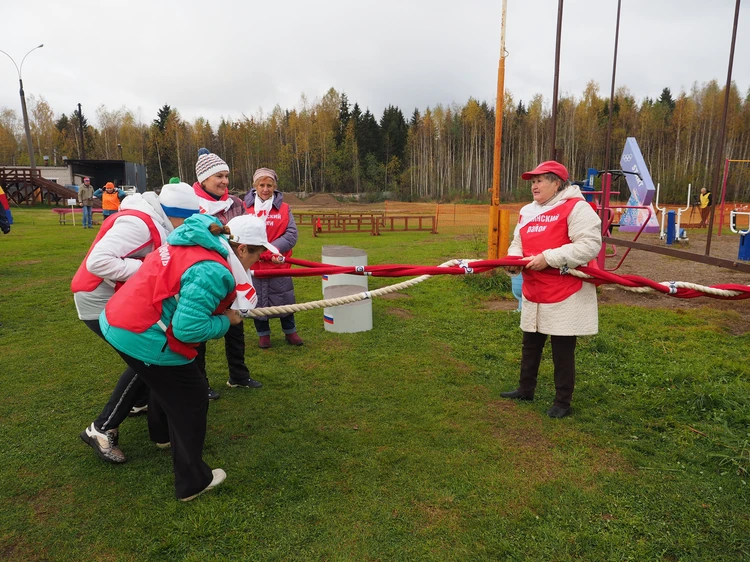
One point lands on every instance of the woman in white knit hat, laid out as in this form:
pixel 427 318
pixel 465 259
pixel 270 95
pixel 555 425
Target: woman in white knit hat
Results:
pixel 212 189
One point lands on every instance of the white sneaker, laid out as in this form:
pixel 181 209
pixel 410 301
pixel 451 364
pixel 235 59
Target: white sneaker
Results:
pixel 105 444
pixel 138 410
pixel 166 445
pixel 219 476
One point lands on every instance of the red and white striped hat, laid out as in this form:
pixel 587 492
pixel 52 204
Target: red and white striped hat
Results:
pixel 208 164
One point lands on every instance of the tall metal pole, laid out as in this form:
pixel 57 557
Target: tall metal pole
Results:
pixel 553 141
pixel 612 90
pixel 722 128
pixel 499 108
pixel 498 236
pixel 29 144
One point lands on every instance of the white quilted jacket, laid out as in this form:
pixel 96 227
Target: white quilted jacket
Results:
pixel 578 315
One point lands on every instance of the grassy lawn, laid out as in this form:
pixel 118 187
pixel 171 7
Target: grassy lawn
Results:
pixel 391 444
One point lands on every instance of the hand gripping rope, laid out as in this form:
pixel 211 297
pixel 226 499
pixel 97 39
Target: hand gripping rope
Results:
pixel 593 275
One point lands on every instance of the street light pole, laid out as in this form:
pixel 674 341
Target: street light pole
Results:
pixel 29 144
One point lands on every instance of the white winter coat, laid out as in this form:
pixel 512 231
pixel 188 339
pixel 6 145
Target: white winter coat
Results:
pixel 119 253
pixel 578 315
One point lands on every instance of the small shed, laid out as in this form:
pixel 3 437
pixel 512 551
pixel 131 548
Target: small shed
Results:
pixel 119 172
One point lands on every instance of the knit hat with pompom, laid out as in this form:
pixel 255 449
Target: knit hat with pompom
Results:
pixel 208 164
pixel 178 199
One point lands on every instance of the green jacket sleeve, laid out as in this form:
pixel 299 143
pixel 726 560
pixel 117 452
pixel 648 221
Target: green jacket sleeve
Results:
pixel 203 287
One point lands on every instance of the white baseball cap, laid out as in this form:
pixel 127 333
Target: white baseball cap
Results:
pixel 249 229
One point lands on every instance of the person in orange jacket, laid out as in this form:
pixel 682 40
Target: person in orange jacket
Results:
pixel 111 197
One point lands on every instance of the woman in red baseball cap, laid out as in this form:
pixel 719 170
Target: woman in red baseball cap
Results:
pixel 557 231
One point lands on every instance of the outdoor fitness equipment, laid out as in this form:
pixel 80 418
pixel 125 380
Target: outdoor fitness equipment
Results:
pixel 744 252
pixel 679 234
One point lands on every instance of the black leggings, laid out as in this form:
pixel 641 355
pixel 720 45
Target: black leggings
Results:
pixel 129 391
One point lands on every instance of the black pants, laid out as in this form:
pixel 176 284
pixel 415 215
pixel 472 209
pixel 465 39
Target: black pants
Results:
pixel 129 391
pixel 234 348
pixel 563 359
pixel 179 401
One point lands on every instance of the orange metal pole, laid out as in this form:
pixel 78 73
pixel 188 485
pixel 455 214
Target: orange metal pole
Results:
pixel 495 231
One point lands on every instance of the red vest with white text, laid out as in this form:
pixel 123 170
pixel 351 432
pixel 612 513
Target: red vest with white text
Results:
pixel 547 231
pixel 138 305
pixel 277 221
pixel 84 280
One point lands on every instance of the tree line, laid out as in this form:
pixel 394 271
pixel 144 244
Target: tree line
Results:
pixel 439 153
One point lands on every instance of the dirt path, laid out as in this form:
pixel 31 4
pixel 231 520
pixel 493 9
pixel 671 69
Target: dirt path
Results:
pixel 664 268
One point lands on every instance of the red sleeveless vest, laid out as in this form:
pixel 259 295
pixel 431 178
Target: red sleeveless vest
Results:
pixel 276 225
pixel 84 280
pixel 546 231
pixel 138 305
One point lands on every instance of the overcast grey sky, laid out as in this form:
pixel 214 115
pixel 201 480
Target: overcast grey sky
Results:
pixel 226 58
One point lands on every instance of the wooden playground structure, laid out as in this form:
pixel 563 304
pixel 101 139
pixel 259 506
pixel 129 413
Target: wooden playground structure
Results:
pixel 25 186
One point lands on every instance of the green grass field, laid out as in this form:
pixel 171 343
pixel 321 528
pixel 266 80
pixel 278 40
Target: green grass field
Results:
pixel 388 445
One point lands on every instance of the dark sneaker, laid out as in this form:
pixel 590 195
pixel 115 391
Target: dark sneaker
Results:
pixel 138 410
pixel 219 476
pixel 212 394
pixel 294 339
pixel 558 412
pixel 104 444
pixel 264 342
pixel 516 395
pixel 249 383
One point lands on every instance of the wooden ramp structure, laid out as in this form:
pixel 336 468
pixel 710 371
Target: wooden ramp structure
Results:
pixel 24 187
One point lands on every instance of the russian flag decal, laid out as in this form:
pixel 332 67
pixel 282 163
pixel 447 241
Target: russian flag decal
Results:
pixel 327 319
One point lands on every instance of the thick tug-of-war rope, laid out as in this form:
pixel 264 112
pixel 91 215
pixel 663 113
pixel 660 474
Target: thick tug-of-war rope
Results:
pixel 358 270
pixel 632 283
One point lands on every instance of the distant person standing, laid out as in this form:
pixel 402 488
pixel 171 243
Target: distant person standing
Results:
pixel 86 201
pixel 705 205
pixel 111 197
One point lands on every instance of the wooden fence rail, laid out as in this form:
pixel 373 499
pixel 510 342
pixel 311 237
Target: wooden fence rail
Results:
pixel 372 224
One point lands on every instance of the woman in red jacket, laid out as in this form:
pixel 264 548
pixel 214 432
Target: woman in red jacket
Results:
pixel 265 201
pixel 212 189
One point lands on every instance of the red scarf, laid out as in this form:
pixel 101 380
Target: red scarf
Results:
pixel 209 204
